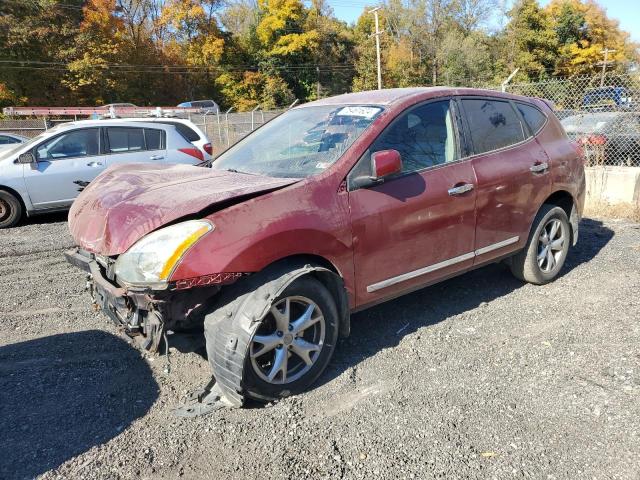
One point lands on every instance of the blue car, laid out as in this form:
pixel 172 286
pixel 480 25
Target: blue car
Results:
pixel 607 98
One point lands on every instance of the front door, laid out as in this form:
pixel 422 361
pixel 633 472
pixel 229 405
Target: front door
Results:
pixel 65 164
pixel 419 226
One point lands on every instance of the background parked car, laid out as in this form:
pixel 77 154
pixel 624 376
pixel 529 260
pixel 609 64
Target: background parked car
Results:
pixel 607 98
pixel 205 106
pixel 608 138
pixel 47 172
pixel 10 140
pixel 189 130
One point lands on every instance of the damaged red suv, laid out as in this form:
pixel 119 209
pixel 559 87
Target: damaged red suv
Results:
pixel 332 207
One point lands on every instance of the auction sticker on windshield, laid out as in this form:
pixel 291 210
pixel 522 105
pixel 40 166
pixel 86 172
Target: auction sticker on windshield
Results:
pixel 366 112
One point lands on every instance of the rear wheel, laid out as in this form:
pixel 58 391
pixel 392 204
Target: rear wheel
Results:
pixel 546 250
pixel 10 210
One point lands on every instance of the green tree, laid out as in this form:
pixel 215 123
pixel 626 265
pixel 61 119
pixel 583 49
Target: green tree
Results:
pixel 532 43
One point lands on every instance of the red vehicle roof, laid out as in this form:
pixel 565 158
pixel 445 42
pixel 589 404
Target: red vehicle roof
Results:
pixel 392 96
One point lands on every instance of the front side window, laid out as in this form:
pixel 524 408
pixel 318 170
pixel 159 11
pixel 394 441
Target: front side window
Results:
pixel 300 142
pixel 78 143
pixel 122 139
pixel 493 124
pixel 424 137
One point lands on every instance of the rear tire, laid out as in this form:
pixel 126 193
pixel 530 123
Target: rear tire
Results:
pixel 10 210
pixel 546 250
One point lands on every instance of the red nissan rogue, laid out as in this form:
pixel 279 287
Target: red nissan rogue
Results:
pixel 332 207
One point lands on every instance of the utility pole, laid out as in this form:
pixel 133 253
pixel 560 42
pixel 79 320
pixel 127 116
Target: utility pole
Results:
pixel 377 35
pixel 606 52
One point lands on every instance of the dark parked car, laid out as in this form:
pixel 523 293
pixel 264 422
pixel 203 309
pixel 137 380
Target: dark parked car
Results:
pixel 332 207
pixel 608 138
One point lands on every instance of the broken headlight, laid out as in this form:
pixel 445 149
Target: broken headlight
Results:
pixel 152 259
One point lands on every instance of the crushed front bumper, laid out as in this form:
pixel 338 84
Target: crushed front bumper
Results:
pixel 135 313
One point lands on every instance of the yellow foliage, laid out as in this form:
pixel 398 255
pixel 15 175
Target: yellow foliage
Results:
pixel 583 55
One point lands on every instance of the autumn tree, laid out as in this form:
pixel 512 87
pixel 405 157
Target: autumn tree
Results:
pixel 531 41
pixel 584 31
pixel 41 31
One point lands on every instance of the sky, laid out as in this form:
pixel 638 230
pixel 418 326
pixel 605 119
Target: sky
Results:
pixel 624 11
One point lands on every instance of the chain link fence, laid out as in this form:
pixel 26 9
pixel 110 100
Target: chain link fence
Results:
pixel 24 127
pixel 225 129
pixel 601 113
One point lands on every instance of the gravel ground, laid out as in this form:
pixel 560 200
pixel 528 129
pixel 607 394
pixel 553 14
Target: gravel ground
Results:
pixel 480 376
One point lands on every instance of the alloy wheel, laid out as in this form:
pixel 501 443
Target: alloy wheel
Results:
pixel 289 341
pixel 551 245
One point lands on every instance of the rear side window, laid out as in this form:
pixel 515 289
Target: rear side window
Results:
pixel 493 124
pixel 532 116
pixel 154 139
pixel 122 140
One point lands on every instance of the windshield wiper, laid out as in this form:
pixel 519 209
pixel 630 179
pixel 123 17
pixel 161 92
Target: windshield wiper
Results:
pixel 233 170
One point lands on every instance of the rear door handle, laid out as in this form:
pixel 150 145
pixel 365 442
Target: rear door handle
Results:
pixel 94 164
pixel 539 167
pixel 460 189
pixel 156 157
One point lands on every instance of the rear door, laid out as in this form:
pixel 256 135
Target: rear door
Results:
pixel 512 170
pixel 66 163
pixel 419 226
pixel 134 144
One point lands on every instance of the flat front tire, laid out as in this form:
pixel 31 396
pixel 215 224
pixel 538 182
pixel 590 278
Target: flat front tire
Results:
pixel 10 210
pixel 285 352
pixel 543 257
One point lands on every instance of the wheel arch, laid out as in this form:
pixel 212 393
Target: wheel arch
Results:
pixel 16 194
pixel 329 275
pixel 564 200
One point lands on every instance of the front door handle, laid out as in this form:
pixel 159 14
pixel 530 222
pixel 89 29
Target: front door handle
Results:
pixel 539 167
pixel 156 157
pixel 94 164
pixel 460 189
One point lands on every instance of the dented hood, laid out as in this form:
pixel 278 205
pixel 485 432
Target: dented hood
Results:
pixel 128 201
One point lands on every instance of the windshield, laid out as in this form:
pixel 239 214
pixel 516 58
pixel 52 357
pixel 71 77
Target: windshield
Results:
pixel 300 142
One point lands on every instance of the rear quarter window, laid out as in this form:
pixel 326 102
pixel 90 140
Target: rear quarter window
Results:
pixel 532 117
pixel 155 139
pixel 188 133
pixel 493 124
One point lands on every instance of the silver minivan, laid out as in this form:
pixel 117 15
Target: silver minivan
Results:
pixel 46 173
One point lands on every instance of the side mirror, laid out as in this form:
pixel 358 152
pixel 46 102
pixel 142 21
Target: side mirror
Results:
pixel 385 163
pixel 26 158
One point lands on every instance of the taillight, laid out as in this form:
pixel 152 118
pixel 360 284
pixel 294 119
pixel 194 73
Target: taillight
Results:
pixel 593 140
pixel 208 148
pixel 194 152
pixel 577 146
